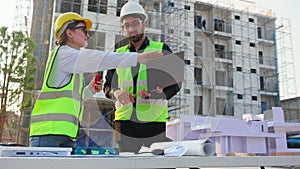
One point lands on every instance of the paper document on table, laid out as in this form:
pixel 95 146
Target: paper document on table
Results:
pixel 186 147
pixel 165 71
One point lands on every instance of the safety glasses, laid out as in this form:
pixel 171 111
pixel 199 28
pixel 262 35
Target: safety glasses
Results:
pixel 83 28
pixel 134 24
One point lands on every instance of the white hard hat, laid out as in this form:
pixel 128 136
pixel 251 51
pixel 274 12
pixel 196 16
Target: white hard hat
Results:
pixel 132 7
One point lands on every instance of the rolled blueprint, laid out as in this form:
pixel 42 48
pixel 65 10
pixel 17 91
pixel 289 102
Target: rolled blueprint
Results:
pixel 187 147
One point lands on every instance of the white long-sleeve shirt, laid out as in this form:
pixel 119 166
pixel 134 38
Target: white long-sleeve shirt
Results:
pixel 69 60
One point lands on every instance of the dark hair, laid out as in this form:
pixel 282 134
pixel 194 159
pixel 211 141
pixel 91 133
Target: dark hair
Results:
pixel 63 38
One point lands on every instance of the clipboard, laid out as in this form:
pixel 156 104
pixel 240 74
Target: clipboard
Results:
pixel 165 71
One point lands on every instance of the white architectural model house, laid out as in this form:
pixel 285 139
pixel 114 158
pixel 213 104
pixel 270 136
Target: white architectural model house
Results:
pixel 263 134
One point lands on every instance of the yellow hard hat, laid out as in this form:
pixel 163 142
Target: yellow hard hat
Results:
pixel 67 17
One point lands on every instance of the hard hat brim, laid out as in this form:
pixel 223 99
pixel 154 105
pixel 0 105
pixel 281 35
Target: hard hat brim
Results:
pixel 88 23
pixel 143 17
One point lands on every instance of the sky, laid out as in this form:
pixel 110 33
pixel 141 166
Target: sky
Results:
pixel 281 8
pixel 7 13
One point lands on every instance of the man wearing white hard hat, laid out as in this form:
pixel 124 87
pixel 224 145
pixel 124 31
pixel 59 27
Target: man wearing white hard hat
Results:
pixel 140 116
pixel 58 110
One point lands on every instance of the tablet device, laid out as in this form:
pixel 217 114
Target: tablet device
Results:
pixel 165 71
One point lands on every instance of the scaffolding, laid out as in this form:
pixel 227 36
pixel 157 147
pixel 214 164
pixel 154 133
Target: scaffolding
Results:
pixel 285 55
pixel 177 23
pixel 247 47
pixel 23 17
pixel 286 70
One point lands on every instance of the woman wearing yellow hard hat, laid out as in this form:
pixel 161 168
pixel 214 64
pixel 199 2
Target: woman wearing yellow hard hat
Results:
pixel 58 110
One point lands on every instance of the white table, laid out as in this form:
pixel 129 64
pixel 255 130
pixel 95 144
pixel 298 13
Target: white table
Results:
pixel 145 162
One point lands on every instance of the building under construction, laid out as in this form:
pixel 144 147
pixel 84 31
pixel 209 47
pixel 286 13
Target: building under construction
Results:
pixel 231 60
pixel 230 51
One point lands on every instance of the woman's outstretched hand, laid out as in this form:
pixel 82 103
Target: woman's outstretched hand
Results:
pixel 145 57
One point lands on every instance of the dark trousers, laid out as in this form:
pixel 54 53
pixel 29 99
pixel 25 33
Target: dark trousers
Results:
pixel 51 141
pixel 132 135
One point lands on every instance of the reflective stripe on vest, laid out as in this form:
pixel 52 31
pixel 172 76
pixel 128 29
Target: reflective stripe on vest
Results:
pixel 58 110
pixel 54 117
pixel 127 84
pixel 53 95
pixel 150 110
pixel 143 101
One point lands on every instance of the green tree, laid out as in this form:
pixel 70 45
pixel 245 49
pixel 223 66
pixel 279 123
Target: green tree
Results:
pixel 17 67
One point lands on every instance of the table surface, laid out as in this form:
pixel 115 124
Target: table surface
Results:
pixel 96 162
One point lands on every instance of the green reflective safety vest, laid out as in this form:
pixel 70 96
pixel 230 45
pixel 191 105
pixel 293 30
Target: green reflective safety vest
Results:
pixel 58 110
pixel 147 110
